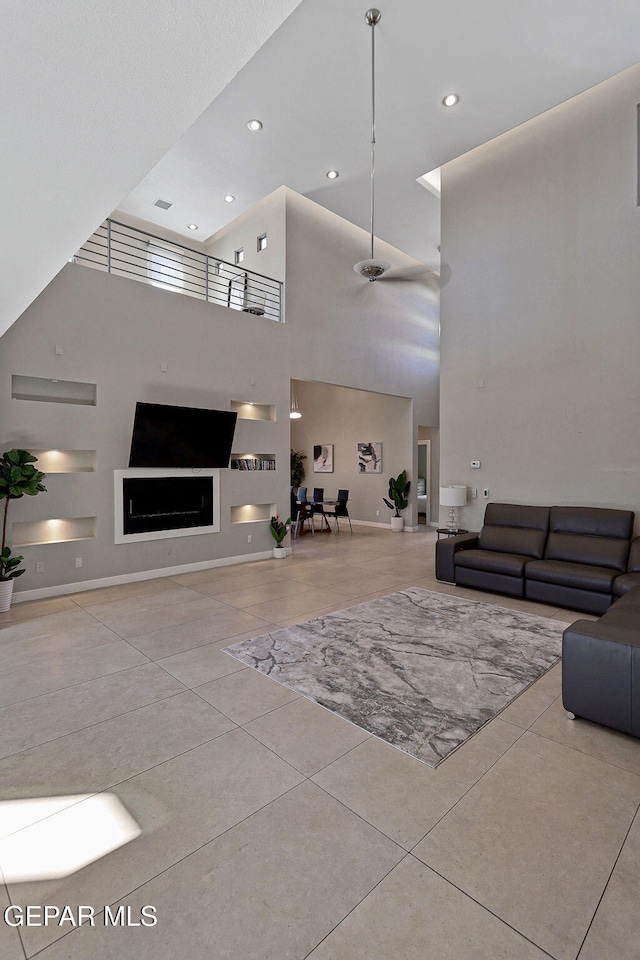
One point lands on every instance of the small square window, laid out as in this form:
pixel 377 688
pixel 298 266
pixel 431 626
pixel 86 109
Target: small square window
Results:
pixel 239 255
pixel 262 242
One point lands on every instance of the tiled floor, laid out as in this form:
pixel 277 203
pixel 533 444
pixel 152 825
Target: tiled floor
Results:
pixel 273 830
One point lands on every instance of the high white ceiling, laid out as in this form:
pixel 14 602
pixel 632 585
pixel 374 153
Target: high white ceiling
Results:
pixel 509 60
pixel 94 93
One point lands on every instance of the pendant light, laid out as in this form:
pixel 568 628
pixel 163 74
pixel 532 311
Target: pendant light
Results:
pixel 372 269
pixel 294 411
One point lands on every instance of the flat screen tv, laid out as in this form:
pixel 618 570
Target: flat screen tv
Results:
pixel 168 436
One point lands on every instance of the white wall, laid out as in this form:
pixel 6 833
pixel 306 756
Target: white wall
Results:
pixel 381 336
pixel 268 217
pixel 117 332
pixel 344 418
pixel 540 331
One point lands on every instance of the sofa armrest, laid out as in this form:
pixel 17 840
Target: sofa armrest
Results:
pixel 600 674
pixel 446 550
pixel 588 630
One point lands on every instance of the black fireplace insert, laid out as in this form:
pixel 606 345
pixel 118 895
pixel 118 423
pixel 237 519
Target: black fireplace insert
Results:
pixel 166 503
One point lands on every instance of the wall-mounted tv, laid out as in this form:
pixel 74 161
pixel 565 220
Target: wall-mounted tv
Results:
pixel 168 436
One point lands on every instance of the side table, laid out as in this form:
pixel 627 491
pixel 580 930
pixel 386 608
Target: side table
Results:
pixel 445 532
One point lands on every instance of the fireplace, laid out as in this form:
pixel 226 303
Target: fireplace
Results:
pixel 166 503
pixel 155 503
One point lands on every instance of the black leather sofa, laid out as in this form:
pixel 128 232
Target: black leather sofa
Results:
pixel 577 557
pixel 565 556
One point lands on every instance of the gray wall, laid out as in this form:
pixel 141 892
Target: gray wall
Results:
pixel 118 332
pixel 345 417
pixel 540 331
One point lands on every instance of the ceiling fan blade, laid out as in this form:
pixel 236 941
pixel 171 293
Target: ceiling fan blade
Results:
pixel 422 274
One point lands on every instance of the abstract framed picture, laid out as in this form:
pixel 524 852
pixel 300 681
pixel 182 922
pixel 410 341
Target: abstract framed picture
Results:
pixel 323 458
pixel 370 457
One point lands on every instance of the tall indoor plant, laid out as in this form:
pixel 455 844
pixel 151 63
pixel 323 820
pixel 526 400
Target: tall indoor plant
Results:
pixel 18 478
pixel 398 489
pixel 297 468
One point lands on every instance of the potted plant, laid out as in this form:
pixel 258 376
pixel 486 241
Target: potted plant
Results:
pixel 398 489
pixel 297 468
pixel 18 477
pixel 279 532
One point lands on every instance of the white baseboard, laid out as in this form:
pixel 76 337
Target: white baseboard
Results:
pixel 65 588
pixel 384 526
pixel 371 523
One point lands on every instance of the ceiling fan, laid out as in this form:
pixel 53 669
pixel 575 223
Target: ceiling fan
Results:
pixel 373 269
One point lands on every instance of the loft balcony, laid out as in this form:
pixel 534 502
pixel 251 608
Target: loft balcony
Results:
pixel 128 252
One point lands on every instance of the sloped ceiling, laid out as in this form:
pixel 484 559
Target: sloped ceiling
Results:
pixel 509 60
pixel 95 92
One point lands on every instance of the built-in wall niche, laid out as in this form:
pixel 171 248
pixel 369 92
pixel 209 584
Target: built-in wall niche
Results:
pixel 253 461
pixel 65 461
pixel 252 512
pixel 31 533
pixel 254 411
pixel 53 391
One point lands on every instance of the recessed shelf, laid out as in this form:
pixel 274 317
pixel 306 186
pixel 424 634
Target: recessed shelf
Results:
pixel 53 391
pixel 31 533
pixel 65 461
pixel 252 512
pixel 254 411
pixel 253 461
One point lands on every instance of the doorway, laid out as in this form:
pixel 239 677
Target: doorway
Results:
pixel 423 483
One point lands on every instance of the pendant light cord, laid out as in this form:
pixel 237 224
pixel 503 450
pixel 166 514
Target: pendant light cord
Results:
pixel 373 125
pixel 372 269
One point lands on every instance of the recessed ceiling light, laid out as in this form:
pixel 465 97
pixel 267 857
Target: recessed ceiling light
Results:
pixel 450 100
pixel 229 198
pixel 254 125
pixel 333 174
pixel 192 226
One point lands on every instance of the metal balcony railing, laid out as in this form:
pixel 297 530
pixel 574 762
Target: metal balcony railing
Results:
pixel 129 252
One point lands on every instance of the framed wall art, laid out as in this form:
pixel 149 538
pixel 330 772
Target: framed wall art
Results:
pixel 370 457
pixel 323 458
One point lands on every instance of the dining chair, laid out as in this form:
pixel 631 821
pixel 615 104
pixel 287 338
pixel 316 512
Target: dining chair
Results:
pixel 340 510
pixel 304 511
pixel 294 512
pixel 317 505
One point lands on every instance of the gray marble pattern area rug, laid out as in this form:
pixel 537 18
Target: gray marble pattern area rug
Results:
pixel 420 670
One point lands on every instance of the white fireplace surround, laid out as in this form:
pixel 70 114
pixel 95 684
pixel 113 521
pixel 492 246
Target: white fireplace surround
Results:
pixel 161 472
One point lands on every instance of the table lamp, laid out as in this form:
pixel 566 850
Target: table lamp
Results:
pixel 453 496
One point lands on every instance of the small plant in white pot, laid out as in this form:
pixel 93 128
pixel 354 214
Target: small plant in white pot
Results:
pixel 398 489
pixel 18 477
pixel 279 532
